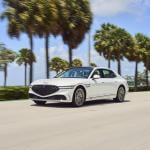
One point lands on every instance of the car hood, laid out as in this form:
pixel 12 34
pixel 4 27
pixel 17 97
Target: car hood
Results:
pixel 60 81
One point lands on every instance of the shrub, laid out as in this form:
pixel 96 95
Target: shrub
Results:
pixel 140 88
pixel 13 93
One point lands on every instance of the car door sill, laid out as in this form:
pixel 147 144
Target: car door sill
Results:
pixel 100 97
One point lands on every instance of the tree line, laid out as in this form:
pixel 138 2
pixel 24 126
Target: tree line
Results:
pixel 70 19
pixel 58 64
pixel 26 57
pixel 115 43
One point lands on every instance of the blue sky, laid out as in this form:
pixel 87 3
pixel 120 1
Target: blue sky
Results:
pixel 133 15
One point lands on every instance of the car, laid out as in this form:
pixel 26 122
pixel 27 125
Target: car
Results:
pixel 78 85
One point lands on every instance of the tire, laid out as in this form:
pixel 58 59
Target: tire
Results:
pixel 79 97
pixel 39 102
pixel 120 94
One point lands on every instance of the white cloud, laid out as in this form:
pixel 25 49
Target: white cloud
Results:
pixel 114 7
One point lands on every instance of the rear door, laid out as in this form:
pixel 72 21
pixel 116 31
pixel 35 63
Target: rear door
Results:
pixel 109 82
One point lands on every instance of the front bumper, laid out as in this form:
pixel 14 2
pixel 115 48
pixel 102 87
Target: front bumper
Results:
pixel 63 95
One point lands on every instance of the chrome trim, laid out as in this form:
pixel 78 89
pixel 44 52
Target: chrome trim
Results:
pixel 66 87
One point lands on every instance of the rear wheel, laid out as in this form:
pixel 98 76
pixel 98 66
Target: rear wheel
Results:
pixel 120 94
pixel 78 97
pixel 39 102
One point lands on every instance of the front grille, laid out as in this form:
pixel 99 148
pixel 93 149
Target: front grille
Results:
pixel 44 89
pixel 55 97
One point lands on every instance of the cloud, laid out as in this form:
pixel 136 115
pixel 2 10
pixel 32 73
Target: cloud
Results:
pixel 106 8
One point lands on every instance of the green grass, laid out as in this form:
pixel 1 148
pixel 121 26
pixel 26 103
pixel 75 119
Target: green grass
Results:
pixel 13 93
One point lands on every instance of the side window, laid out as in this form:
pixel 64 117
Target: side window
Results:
pixel 96 72
pixel 108 74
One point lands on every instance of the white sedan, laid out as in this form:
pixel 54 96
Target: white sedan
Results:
pixel 80 84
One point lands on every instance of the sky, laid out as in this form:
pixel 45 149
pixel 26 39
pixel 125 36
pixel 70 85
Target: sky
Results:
pixel 133 15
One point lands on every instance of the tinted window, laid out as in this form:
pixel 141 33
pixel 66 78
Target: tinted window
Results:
pixel 108 73
pixel 81 72
pixel 98 72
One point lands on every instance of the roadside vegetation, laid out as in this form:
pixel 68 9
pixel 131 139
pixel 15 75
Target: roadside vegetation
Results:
pixel 13 93
pixel 58 64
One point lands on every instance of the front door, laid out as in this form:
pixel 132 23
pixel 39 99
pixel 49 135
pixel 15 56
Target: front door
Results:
pixel 97 86
pixel 109 81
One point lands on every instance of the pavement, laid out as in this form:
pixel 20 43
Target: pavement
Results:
pixel 100 125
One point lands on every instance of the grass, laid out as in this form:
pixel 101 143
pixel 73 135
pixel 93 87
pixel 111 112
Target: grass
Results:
pixel 13 93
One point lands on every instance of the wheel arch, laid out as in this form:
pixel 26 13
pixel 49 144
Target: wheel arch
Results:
pixel 83 87
pixel 121 85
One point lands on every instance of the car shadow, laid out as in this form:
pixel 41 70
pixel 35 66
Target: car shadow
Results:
pixel 87 104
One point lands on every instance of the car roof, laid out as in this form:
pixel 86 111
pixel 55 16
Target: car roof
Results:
pixel 92 67
pixel 82 67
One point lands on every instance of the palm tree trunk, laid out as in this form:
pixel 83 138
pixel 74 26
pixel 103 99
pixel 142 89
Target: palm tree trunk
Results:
pixel 47 54
pixel 70 57
pixel 25 74
pixel 109 63
pixel 136 75
pixel 146 72
pixel 31 65
pixel 5 75
pixel 119 66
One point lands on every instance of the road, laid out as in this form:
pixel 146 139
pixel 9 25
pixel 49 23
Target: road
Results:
pixel 98 125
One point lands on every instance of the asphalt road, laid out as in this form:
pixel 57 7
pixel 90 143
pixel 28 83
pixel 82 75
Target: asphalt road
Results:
pixel 101 125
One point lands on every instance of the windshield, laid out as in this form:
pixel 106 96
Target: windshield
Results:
pixel 82 72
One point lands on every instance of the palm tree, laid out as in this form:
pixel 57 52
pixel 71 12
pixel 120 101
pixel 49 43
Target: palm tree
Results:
pixel 75 23
pixel 123 43
pixel 11 14
pixel 93 65
pixel 6 57
pixel 114 43
pixel 25 57
pixel 22 16
pixel 29 18
pixel 137 57
pixel 139 54
pixel 146 59
pixel 76 63
pixel 47 25
pixel 57 64
pixel 103 42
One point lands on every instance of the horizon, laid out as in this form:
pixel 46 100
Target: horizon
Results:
pixel 129 14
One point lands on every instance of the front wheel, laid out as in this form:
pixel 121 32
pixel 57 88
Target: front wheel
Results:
pixel 120 94
pixel 78 97
pixel 39 102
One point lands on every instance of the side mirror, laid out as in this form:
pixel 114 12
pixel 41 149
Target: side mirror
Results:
pixel 96 77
